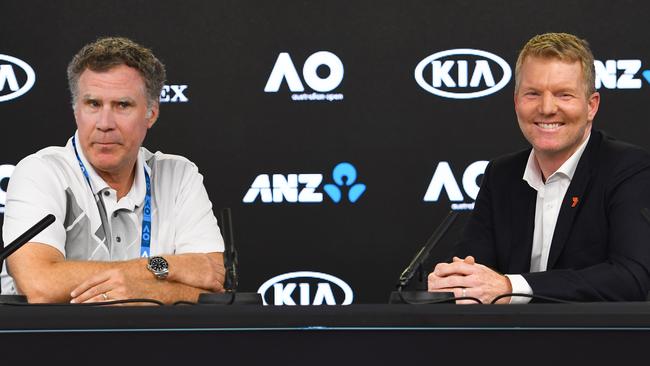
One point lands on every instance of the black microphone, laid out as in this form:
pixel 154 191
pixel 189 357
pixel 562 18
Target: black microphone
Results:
pixel 230 253
pixel 16 244
pixel 423 254
pixel 230 261
pixel 400 296
pixel 26 236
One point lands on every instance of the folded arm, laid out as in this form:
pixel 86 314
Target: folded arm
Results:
pixel 43 275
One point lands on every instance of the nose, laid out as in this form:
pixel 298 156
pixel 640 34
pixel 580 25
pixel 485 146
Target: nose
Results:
pixel 548 106
pixel 105 119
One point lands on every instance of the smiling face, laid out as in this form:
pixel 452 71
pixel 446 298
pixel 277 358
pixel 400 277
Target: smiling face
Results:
pixel 553 109
pixel 112 118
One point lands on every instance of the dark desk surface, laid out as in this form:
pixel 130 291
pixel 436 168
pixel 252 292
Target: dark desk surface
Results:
pixel 222 317
pixel 580 334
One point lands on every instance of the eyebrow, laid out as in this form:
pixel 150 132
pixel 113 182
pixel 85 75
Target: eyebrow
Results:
pixel 87 97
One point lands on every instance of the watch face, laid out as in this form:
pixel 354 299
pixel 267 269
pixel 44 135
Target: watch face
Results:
pixel 158 264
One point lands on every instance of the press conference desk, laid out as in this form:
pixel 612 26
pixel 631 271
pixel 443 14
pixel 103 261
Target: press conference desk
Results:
pixel 363 334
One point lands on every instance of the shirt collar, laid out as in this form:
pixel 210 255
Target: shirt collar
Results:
pixel 138 189
pixel 533 174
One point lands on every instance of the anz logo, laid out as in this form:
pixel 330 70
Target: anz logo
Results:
pixel 620 74
pixel 306 288
pixel 294 188
pixel 16 78
pixel 5 173
pixel 463 73
pixel 344 175
pixel 444 179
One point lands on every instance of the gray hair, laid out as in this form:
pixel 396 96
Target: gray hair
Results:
pixel 106 53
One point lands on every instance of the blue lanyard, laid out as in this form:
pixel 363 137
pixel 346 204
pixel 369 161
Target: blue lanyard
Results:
pixel 145 242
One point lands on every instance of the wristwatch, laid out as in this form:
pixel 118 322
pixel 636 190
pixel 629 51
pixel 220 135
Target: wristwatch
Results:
pixel 159 267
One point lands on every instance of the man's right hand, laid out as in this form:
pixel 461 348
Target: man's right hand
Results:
pixel 211 278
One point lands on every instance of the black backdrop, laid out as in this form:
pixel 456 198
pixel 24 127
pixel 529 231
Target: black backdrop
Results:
pixel 389 128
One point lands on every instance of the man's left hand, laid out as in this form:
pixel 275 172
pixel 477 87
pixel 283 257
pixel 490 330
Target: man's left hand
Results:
pixel 109 285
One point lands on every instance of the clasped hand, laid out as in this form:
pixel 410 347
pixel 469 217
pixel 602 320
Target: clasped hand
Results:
pixel 466 278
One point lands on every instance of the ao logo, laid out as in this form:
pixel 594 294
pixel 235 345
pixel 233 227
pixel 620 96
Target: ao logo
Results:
pixel 284 69
pixel 284 287
pixel 10 87
pixel 443 178
pixel 460 83
pixel 5 173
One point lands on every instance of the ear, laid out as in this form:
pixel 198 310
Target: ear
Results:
pixel 152 115
pixel 75 112
pixel 516 100
pixel 592 106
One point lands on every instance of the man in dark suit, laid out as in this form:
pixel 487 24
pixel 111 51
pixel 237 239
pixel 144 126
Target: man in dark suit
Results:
pixel 563 219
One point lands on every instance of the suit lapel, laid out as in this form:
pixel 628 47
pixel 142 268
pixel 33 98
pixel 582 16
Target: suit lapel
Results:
pixel 522 198
pixel 521 243
pixel 577 192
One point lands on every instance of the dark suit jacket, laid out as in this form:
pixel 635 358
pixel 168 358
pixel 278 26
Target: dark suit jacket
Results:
pixel 600 249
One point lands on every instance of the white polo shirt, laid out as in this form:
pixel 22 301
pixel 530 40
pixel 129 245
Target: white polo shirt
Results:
pixel 51 182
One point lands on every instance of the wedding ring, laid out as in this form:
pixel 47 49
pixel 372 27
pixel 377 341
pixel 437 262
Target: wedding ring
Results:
pixel 464 292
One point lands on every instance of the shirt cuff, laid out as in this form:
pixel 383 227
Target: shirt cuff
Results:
pixel 519 286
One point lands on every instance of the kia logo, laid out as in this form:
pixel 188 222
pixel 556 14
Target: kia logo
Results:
pixel 306 288
pixel 10 87
pixel 462 76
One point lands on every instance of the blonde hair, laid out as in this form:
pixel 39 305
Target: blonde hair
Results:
pixel 562 46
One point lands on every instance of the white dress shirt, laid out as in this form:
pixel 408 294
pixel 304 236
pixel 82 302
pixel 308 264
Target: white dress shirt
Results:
pixel 550 195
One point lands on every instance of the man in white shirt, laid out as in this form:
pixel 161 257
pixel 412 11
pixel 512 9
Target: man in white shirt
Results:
pixel 130 224
pixel 563 219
